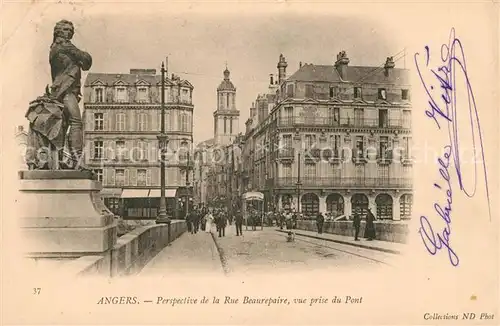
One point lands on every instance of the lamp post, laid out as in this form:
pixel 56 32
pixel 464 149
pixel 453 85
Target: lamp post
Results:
pixel 163 142
pixel 298 184
pixel 187 185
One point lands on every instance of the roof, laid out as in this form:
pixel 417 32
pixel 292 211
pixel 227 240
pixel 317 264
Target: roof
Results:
pixel 226 85
pixel 110 79
pixel 355 74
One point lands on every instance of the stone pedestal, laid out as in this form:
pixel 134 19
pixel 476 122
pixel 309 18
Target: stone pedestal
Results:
pixel 62 214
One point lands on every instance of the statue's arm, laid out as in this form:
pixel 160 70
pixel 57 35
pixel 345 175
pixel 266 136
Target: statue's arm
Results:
pixel 84 59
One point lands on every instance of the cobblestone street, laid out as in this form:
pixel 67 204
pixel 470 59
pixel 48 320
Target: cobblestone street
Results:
pixel 261 251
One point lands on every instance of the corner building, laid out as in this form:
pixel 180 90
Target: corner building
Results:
pixel 122 118
pixel 338 138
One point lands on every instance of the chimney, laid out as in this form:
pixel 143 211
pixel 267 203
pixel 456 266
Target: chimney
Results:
pixel 20 128
pixel 341 64
pixel 389 65
pixel 271 79
pixel 281 69
pixel 300 64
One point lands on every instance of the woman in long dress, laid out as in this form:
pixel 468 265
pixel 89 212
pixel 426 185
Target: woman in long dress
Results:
pixel 209 219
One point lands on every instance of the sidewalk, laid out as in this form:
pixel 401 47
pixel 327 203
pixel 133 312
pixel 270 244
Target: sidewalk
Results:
pixel 190 253
pixel 385 246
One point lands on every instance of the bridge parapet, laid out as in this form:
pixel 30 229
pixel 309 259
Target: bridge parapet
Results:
pixel 131 252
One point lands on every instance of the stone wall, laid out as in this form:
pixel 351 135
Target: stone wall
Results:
pixel 385 231
pixel 131 252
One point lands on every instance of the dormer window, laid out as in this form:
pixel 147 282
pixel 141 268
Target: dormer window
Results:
pixel 357 92
pixel 404 94
pixel 142 94
pixel 382 94
pixel 99 95
pixel 121 94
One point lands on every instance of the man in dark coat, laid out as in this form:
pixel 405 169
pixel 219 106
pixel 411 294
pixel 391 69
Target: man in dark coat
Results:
pixel 370 226
pixel 196 220
pixel 320 219
pixel 356 222
pixel 239 222
pixel 221 224
pixel 189 222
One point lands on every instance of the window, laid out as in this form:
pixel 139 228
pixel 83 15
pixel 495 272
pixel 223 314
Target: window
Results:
pixel 290 90
pixel 98 121
pixel 357 92
pixel 287 170
pixel 183 121
pixel 143 148
pixel 120 177
pixel 359 146
pixel 227 100
pixel 99 98
pixel 120 122
pixel 359 117
pixel 310 170
pixel 120 150
pixel 309 91
pixel 407 147
pixel 334 116
pixel 141 177
pixel 383 174
pixel 185 95
pixel 406 203
pixel 287 141
pixel 384 141
pixel 183 151
pixel 231 126
pixel 142 94
pixel 225 125
pixel 383 118
pixel 98 149
pixel 332 91
pixel 382 95
pixel 407 119
pixel 335 143
pixel 143 121
pixel 120 94
pixel 310 141
pixel 404 94
pixel 99 174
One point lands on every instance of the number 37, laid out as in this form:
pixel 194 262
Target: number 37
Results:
pixel 36 291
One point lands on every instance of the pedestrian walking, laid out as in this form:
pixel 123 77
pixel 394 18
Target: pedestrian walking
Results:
pixel 370 226
pixel 222 223
pixel 356 222
pixel 208 224
pixel 320 219
pixel 239 222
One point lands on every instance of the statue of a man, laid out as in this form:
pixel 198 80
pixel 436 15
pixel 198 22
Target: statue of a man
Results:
pixel 66 63
pixel 52 114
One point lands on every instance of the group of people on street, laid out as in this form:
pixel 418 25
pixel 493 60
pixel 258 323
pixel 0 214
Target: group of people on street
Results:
pixel 205 218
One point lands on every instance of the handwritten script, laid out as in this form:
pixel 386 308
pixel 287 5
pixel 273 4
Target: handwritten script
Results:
pixel 447 80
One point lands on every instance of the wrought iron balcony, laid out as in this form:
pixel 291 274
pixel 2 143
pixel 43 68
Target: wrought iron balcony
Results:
pixel 344 182
pixel 295 121
pixel 286 153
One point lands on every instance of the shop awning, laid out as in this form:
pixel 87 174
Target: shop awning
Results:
pixel 169 193
pixel 135 193
pixel 111 192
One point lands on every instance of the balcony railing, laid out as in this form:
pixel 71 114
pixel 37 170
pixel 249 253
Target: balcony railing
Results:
pixel 343 122
pixel 286 153
pixel 325 182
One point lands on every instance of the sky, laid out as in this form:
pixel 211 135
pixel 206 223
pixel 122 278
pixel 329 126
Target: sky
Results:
pixel 199 45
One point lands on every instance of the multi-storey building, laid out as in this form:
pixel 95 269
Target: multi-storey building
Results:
pixel 122 117
pixel 338 138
